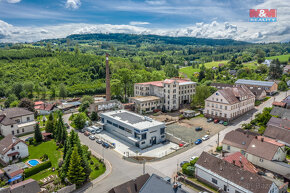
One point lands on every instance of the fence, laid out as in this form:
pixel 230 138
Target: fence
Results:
pixel 67 189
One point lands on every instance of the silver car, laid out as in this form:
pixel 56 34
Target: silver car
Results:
pixel 92 137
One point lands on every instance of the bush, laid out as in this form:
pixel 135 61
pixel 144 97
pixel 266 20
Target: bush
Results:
pixel 44 157
pixel 34 170
pixel 261 130
pixel 219 148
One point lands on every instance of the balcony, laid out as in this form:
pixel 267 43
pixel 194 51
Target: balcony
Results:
pixel 27 124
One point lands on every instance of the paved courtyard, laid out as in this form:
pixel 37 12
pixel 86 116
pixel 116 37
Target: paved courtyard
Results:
pixel 185 129
pixel 124 148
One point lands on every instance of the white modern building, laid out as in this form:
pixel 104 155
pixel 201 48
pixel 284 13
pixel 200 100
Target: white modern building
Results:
pixel 12 148
pixel 16 121
pixel 172 92
pixel 229 103
pixel 227 177
pixel 135 129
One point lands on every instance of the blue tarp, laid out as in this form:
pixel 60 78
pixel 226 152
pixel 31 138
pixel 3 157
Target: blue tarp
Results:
pixel 15 178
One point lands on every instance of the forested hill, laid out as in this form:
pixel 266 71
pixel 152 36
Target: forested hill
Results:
pixel 138 39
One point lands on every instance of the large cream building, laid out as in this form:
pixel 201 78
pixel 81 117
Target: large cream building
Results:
pixel 229 103
pixel 172 92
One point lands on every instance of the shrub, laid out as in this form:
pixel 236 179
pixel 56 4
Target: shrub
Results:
pixel 261 130
pixel 44 157
pixel 219 148
pixel 34 170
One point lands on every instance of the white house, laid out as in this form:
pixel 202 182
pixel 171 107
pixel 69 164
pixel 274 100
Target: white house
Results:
pixel 229 103
pixel 16 121
pixel 227 177
pixel 12 148
pixel 267 62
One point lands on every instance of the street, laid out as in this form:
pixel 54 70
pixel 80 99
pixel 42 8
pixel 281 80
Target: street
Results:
pixel 123 171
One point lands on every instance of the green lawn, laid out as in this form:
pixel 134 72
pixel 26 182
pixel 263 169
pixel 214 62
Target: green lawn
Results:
pixel 282 58
pixel 189 70
pixel 40 119
pixel 96 173
pixel 49 147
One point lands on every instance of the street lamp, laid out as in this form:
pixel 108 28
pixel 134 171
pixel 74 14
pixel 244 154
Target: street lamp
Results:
pixel 103 154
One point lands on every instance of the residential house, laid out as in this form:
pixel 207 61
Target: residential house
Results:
pixel 279 129
pixel 286 69
pixel 267 62
pixel 261 151
pixel 270 87
pixel 146 104
pixel 173 92
pixel 279 104
pixel 102 105
pixel 279 112
pixel 229 103
pixel 16 121
pixel 238 159
pixel 287 101
pixel 27 186
pixel 44 108
pixel 12 148
pixel 259 93
pixel 148 184
pixel 228 177
pixel 67 106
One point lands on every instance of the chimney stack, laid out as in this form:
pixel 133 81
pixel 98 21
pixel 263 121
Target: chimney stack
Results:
pixel 262 139
pixel 108 87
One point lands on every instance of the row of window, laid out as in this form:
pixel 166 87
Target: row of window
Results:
pixel 17 131
pixel 120 127
pixel 150 103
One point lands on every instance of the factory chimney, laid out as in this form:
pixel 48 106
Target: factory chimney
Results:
pixel 108 88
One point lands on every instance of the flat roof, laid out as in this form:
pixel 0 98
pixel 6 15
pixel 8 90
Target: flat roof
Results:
pixel 145 98
pixel 132 119
pixel 254 82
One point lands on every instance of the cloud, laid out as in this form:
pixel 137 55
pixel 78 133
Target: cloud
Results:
pixel 13 1
pixel 156 2
pixel 73 4
pixel 139 23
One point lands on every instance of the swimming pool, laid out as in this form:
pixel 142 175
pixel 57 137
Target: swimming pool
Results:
pixel 33 162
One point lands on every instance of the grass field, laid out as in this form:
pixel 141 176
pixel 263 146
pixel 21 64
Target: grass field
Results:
pixel 282 58
pixel 188 71
pixel 96 173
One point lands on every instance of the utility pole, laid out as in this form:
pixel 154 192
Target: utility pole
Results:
pixel 144 161
pixel 103 154
pixel 108 87
pixel 218 139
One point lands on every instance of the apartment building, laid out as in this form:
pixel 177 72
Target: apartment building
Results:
pixel 172 92
pixel 229 103
pixel 146 104
pixel 16 121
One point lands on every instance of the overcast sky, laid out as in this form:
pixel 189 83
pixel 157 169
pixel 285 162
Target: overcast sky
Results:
pixel 32 20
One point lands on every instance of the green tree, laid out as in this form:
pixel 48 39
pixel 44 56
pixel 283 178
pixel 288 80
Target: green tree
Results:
pixel 11 98
pixel 27 103
pixel 60 130
pixel 28 87
pixel 84 106
pixel 201 93
pixel 17 89
pixel 14 103
pixel 87 98
pixel 201 75
pixel 53 93
pixel 94 116
pixel 80 120
pixel 275 70
pixel 76 173
pixel 282 86
pixel 62 91
pixel 37 134
pixel 49 127
pixel 170 71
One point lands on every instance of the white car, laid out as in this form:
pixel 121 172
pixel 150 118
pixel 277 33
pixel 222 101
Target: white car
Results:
pixel 206 137
pixel 193 157
pixel 92 137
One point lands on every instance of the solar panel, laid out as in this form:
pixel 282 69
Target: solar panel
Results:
pixel 131 118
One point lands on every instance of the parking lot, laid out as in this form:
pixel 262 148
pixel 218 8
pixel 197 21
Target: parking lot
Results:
pixel 126 149
pixel 185 129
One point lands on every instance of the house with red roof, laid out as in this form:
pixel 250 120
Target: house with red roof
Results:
pixel 238 159
pixel 172 93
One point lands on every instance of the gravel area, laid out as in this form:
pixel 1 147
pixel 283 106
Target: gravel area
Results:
pixel 185 129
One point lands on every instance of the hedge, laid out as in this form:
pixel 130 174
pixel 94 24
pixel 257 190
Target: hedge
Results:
pixel 34 170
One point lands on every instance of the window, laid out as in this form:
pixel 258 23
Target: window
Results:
pixel 13 148
pixel 17 147
pixel 221 107
pixel 109 122
pixel 229 147
pixel 121 127
pixel 28 118
pixel 12 132
pixel 261 160
pixel 226 108
pixel 214 181
pixel 12 126
pixel 116 125
pixel 162 131
pixel 17 130
pixel 237 191
pixel 143 142
pixel 22 129
pixel 144 135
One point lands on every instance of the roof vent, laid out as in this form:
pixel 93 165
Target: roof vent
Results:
pixel 221 168
pixel 243 143
pixel 242 178
pixel 262 139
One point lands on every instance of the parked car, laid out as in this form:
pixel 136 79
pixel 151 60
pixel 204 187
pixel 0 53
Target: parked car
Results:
pixel 193 158
pixel 92 137
pixel 226 123
pixel 99 130
pixel 105 145
pixel 27 139
pixel 199 141
pixel 182 163
pixel 206 137
pixel 198 129
pixel 86 133
pixel 99 141
pixel 82 130
pixel 90 129
pixel 216 121
pixel 209 120
pixel 221 122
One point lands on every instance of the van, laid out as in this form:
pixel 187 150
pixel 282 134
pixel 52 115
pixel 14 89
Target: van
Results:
pixel 91 130
pixel 97 129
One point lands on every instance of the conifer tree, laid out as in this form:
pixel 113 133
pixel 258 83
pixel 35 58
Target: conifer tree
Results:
pixel 76 173
pixel 49 127
pixel 37 134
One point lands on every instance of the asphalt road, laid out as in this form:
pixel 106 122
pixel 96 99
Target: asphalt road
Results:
pixel 123 171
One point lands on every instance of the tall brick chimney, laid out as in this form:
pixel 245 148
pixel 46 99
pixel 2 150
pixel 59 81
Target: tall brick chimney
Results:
pixel 108 87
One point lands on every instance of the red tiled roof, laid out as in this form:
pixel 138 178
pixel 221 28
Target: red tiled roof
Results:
pixel 239 160
pixel 47 107
pixel 280 104
pixel 16 173
pixel 269 140
pixel 160 83
pixel 38 103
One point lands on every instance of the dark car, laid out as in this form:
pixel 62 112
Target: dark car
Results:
pixel 226 123
pixel 28 138
pixel 216 121
pixel 105 145
pixel 221 122
pixel 198 129
pixel 182 163
pixel 199 141
pixel 209 120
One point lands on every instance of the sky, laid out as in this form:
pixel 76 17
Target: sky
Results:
pixel 33 20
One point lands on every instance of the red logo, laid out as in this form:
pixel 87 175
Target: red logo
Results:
pixel 263 13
